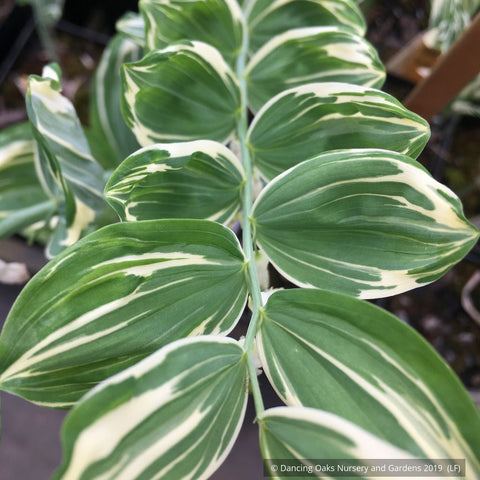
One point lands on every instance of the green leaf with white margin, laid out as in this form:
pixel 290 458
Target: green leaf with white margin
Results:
pixel 216 22
pixel 57 129
pixel 305 121
pixel 174 415
pixel 313 54
pixel 115 297
pixel 22 199
pixel 269 18
pixel 369 223
pixel 131 25
pixel 337 353
pixel 200 179
pixel 182 93
pixel 302 437
pixel 65 164
pixel 107 124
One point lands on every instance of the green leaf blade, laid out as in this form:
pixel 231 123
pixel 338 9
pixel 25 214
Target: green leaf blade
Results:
pixel 368 223
pixel 216 22
pixel 270 18
pixel 336 353
pixel 174 415
pixel 113 298
pixel 21 193
pixel 300 435
pixel 306 121
pixel 162 104
pixel 313 54
pixel 107 124
pixel 200 179
pixel 56 124
pixel 132 26
pixel 64 162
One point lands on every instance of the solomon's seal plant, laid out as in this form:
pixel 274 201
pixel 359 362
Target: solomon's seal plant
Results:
pixel 128 324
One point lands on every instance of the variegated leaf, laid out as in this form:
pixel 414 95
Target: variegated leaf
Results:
pixel 182 93
pixel 113 298
pixel 314 54
pixel 65 164
pixel 174 415
pixel 216 22
pixel 447 20
pixel 132 26
pixel 336 353
pixel 369 223
pixel 200 179
pixel 108 126
pixel 22 199
pixel 269 18
pixel 312 119
pixel 303 438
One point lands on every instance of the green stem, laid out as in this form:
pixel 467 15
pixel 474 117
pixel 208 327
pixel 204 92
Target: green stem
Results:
pixel 242 127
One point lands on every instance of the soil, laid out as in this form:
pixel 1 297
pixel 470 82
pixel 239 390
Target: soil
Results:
pixel 30 446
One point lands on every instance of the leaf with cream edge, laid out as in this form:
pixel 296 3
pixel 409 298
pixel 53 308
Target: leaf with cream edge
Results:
pixel 346 356
pixel 65 164
pixel 108 127
pixel 216 22
pixel 314 54
pixel 296 435
pixel 269 18
pixel 368 223
pixel 200 179
pixel 174 415
pixel 305 121
pixel 22 199
pixel 132 26
pixel 115 297
pixel 182 93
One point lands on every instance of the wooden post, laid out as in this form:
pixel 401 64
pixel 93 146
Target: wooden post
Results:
pixel 452 72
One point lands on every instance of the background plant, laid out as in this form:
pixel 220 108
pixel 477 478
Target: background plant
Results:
pixel 334 213
pixel 447 21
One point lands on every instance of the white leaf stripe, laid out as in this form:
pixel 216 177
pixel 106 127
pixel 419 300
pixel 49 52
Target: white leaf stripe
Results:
pixel 354 351
pixel 61 341
pixel 44 350
pixel 373 282
pixel 313 54
pixel 219 24
pixel 18 151
pixel 419 423
pixel 324 433
pixel 41 92
pixel 186 398
pixel 211 116
pixel 200 179
pixel 436 232
pixel 331 49
pixel 337 7
pixel 360 114
pixel 439 210
pixel 64 163
pixel 269 18
pixel 151 288
pixel 21 194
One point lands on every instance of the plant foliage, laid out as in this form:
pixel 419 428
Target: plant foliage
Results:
pixel 323 181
